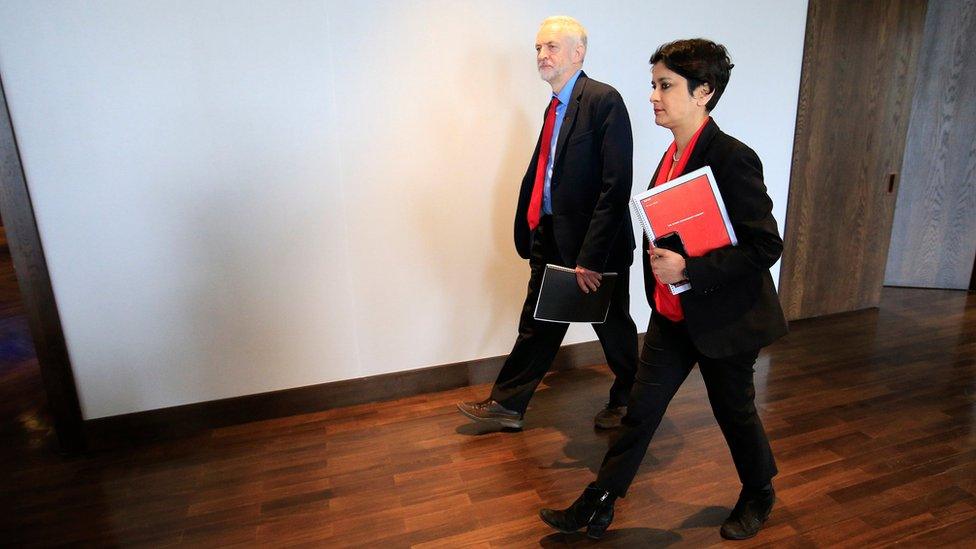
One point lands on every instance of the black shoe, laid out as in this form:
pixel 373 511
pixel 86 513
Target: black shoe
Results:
pixel 489 411
pixel 609 417
pixel 749 513
pixel 592 510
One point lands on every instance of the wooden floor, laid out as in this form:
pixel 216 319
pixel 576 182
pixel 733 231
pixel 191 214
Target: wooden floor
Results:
pixel 871 416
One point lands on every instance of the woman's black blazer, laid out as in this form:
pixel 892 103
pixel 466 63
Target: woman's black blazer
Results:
pixel 732 306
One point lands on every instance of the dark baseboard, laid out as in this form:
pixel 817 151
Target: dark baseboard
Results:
pixel 190 419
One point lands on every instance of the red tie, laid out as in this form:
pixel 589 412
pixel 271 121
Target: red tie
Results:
pixel 535 203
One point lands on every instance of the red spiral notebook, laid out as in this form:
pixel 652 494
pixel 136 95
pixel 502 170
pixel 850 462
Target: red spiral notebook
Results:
pixel 690 205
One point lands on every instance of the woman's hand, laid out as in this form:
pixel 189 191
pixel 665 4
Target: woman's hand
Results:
pixel 668 266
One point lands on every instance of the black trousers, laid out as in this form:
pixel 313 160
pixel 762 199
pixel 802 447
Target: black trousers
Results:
pixel 537 341
pixel 666 360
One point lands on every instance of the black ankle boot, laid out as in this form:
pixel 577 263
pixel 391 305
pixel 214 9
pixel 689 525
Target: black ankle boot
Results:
pixel 749 513
pixel 592 510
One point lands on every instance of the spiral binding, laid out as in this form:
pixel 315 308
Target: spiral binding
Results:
pixel 642 218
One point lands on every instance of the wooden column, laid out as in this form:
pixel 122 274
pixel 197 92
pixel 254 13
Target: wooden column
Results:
pixel 859 65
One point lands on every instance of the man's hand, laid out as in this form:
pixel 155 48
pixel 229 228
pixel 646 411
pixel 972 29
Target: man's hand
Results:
pixel 668 266
pixel 588 280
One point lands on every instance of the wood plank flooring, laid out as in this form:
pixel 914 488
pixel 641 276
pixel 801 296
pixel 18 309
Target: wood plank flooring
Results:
pixel 871 417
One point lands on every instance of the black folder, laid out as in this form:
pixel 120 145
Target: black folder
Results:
pixel 562 300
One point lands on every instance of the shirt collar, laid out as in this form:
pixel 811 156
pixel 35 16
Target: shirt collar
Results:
pixel 567 91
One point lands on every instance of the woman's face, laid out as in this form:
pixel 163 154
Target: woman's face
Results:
pixel 673 105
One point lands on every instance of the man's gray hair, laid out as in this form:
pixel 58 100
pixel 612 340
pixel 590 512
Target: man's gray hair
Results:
pixel 570 25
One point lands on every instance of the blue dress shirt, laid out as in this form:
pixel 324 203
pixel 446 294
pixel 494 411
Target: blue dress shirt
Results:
pixel 563 96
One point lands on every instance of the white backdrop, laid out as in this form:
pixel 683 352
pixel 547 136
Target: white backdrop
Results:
pixel 243 197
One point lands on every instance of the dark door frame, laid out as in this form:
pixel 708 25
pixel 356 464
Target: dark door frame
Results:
pixel 36 291
pixel 972 278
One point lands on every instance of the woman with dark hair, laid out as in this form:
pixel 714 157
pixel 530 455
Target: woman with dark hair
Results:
pixel 721 323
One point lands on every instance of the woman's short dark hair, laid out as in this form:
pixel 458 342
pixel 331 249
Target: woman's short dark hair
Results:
pixel 700 61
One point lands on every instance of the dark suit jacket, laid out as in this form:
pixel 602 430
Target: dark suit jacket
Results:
pixel 591 183
pixel 732 306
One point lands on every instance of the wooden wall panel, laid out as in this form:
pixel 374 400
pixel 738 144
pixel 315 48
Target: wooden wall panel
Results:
pixel 933 240
pixel 856 88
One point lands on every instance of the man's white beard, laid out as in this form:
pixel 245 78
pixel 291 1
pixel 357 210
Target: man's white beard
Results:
pixel 550 74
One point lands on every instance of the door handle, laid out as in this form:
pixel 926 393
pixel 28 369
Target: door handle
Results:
pixel 892 177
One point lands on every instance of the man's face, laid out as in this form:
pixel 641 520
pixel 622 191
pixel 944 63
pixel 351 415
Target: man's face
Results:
pixel 556 53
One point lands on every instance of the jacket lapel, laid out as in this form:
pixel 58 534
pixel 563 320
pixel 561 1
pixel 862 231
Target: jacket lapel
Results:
pixel 698 155
pixel 570 118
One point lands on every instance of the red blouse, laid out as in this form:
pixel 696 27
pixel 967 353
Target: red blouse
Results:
pixel 665 302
